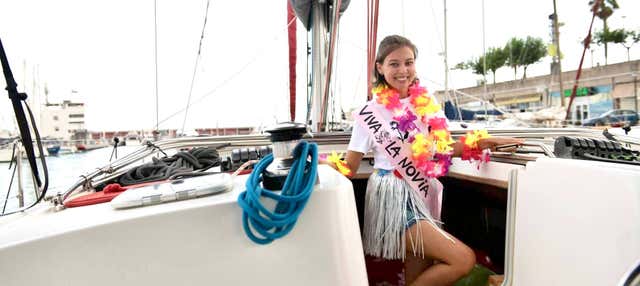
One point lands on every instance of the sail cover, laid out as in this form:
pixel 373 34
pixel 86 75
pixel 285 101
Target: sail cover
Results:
pixel 303 9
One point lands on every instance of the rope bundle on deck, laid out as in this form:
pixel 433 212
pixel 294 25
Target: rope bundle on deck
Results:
pixel 201 158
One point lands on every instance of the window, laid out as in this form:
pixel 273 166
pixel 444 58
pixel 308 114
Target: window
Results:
pixel 56 128
pixel 55 117
pixel 76 115
pixel 582 112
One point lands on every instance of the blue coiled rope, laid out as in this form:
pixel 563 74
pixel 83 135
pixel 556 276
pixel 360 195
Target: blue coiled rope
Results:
pixel 290 202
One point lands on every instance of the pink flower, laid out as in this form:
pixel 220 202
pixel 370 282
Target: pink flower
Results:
pixel 416 90
pixel 438 123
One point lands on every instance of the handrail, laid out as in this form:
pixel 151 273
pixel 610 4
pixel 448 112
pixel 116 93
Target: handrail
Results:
pixel 114 169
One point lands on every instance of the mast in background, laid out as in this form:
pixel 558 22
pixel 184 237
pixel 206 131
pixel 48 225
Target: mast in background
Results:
pixel 484 66
pixel 155 55
pixel 446 63
pixel 291 36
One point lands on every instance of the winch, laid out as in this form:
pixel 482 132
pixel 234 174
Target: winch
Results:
pixel 284 137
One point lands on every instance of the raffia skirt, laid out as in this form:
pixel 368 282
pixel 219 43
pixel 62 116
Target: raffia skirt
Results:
pixel 391 207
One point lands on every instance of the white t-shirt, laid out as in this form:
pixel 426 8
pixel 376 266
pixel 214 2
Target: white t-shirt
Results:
pixel 361 140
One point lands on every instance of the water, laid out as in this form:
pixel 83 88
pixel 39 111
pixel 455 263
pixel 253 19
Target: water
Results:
pixel 64 171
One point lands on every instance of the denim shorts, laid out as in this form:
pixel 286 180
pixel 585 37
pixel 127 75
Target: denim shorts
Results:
pixel 411 218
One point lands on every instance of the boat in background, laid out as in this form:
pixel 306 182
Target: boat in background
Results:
pixel 88 145
pixel 6 153
pixel 53 146
pixel 133 139
pixel 53 150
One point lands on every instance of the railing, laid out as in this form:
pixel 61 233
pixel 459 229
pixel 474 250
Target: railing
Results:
pixel 542 138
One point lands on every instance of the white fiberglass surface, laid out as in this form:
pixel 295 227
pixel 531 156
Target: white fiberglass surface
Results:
pixel 576 222
pixel 197 242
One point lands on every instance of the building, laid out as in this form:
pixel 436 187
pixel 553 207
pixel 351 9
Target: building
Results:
pixel 62 120
pixel 600 89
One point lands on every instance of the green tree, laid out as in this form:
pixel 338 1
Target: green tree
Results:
pixel 514 50
pixel 495 59
pixel 534 51
pixel 604 10
pixel 632 38
pixel 617 36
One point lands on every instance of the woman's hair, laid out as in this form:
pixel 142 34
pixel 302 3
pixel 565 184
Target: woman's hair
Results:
pixel 388 45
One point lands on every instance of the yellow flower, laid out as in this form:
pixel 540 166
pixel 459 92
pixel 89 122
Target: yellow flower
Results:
pixel 472 138
pixel 336 158
pixel 421 145
pixel 377 89
pixel 432 108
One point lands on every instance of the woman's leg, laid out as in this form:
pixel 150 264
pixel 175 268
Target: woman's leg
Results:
pixel 455 259
pixel 414 266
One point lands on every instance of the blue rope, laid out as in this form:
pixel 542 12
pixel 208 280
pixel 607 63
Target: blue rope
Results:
pixel 289 203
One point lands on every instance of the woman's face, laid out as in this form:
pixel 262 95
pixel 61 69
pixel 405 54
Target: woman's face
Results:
pixel 398 69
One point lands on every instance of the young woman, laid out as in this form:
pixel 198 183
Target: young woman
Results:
pixel 398 224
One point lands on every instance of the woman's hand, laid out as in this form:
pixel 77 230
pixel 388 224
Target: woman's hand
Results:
pixel 492 142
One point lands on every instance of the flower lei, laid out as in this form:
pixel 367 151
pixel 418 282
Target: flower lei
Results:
pixel 341 165
pixel 471 151
pixel 431 151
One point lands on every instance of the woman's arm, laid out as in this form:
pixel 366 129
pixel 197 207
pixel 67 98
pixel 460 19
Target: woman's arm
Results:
pixel 487 143
pixel 353 160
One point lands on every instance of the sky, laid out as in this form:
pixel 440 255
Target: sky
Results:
pixel 102 53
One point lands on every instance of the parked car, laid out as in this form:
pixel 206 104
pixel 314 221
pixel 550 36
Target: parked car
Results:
pixel 616 117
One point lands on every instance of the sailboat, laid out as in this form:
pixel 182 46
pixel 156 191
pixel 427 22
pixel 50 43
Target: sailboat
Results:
pixel 561 210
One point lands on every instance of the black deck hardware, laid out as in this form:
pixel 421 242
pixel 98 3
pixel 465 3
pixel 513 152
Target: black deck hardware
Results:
pixel 594 149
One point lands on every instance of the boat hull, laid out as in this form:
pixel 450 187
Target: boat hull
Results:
pixel 200 242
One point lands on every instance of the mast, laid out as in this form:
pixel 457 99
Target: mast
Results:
pixel 155 55
pixel 446 63
pixel 318 63
pixel 484 67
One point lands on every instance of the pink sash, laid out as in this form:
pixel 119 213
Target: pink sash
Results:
pixel 398 151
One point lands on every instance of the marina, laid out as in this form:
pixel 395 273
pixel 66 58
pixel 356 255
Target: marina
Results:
pixel 285 166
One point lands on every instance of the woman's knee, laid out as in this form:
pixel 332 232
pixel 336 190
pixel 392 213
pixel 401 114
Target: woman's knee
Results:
pixel 465 260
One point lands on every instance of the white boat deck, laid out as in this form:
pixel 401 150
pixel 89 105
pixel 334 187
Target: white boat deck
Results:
pixel 197 242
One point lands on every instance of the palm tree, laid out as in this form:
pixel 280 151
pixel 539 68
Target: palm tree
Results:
pixel 603 10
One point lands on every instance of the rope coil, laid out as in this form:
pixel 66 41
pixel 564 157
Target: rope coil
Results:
pixel 200 158
pixel 270 225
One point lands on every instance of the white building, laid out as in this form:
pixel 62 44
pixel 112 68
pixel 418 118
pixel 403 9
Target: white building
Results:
pixel 62 120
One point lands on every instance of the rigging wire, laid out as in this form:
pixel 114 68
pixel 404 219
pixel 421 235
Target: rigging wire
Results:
pixel 155 54
pixel 372 33
pixel 473 97
pixel 435 25
pixel 334 87
pixel 195 66
pixel 228 79
pixel 332 45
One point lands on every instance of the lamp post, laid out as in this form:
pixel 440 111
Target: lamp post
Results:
pixel 635 91
pixel 556 40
